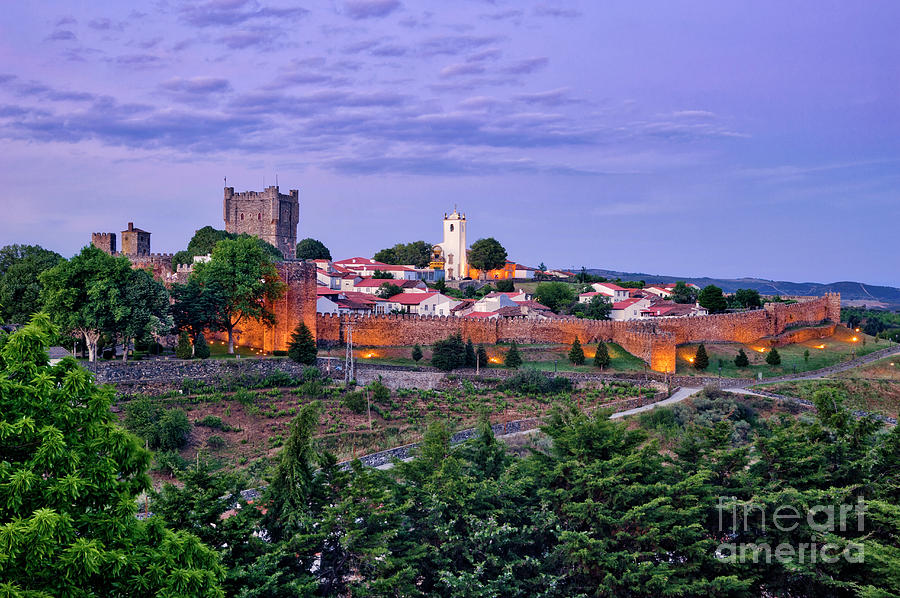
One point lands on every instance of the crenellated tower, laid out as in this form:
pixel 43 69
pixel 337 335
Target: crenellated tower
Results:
pixel 270 215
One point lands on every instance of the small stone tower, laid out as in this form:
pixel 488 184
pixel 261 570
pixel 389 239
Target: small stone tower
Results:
pixel 104 242
pixel 270 215
pixel 135 241
pixel 454 247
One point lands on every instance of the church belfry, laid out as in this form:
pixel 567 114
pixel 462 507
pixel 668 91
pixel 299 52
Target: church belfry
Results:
pixel 453 248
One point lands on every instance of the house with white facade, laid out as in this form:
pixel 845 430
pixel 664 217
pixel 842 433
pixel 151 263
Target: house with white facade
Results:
pixel 371 285
pixel 423 304
pixel 613 291
pixel 629 309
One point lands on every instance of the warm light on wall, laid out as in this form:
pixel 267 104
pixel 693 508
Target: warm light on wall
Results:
pixel 494 359
pixel 854 339
pixel 822 346
pixel 759 350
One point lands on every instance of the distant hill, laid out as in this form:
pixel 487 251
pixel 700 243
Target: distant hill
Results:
pixel 855 292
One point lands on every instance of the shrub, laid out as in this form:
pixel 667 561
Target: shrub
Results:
pixel 449 353
pixel 355 401
pixel 174 429
pixel 513 358
pixel 312 389
pixel 416 353
pixel 215 442
pixel 774 357
pixel 302 348
pixel 201 349
pixel 741 360
pixel 183 349
pixel 380 392
pixel 279 353
pixel 535 383
pixel 161 429
pixel 576 353
pixel 210 421
pixel 169 463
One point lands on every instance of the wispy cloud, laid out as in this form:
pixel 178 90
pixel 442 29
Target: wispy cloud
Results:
pixel 368 9
pixel 61 35
pixel 214 13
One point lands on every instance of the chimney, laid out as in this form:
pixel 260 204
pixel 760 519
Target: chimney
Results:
pixel 130 226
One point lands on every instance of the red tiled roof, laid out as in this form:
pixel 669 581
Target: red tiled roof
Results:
pixel 411 298
pixel 589 294
pixel 375 282
pixel 533 305
pixel 363 262
pixel 625 303
pixel 612 286
pixel 481 314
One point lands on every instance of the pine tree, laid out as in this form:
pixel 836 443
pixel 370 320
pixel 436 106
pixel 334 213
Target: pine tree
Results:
pixel 470 354
pixel 513 357
pixel 601 357
pixel 183 350
pixel 806 356
pixel 417 353
pixel 741 360
pixel 483 359
pixel 201 349
pixel 576 353
pixel 701 359
pixel 774 357
pixel 302 347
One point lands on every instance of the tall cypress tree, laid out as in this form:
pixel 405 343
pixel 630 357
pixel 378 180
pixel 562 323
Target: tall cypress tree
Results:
pixel 513 358
pixel 470 354
pixel 741 360
pixel 701 359
pixel 576 353
pixel 601 357
pixel 302 348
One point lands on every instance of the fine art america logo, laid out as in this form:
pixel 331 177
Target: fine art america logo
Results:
pixel 775 529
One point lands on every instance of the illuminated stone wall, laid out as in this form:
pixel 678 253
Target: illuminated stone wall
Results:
pixel 654 341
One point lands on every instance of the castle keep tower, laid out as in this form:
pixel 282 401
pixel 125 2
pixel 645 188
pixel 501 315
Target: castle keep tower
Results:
pixel 104 242
pixel 453 248
pixel 135 241
pixel 267 214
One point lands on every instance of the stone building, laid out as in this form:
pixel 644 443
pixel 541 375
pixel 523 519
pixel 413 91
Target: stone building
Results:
pixel 135 241
pixel 270 215
pixel 104 242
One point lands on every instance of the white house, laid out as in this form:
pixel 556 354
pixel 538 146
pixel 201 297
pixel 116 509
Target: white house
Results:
pixel 371 285
pixel 524 272
pixel 659 291
pixel 423 304
pixel 366 267
pixel 614 291
pixel 493 302
pixel 630 309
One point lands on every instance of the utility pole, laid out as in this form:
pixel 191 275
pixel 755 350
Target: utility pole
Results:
pixel 369 408
pixel 477 363
pixel 348 359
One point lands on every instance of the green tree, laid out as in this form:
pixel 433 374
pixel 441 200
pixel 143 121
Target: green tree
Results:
pixel 184 349
pixel 68 490
pixel 683 293
pixel 146 313
pixel 449 353
pixel 505 286
pixel 312 249
pixel 247 279
pixel 387 290
pixel 470 354
pixel 205 239
pixel 741 360
pixel 701 359
pixel 416 253
pixel 487 254
pixel 601 357
pixel 201 348
pixel 712 299
pixel 598 308
pixel 302 347
pixel 416 352
pixel 773 358
pixel 86 295
pixel 197 307
pixel 555 295
pixel 20 284
pixel 382 275
pixel 513 358
pixel 576 353
pixel 747 298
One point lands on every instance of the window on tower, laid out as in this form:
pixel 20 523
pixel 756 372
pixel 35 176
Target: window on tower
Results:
pixel 451 228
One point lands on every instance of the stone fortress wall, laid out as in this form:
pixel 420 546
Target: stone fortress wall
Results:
pixel 270 215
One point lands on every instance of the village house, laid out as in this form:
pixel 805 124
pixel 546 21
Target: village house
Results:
pixel 613 291
pixel 629 309
pixel 331 301
pixel 423 304
pixel 668 309
pixel 371 285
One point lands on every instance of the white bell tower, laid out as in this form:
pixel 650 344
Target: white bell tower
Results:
pixel 456 263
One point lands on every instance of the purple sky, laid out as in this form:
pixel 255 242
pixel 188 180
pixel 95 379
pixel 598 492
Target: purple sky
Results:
pixel 696 138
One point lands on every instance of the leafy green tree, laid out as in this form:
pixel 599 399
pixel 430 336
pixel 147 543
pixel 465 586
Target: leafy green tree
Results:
pixel 86 295
pixel 576 353
pixel 247 279
pixel 470 354
pixel 69 484
pixel 683 293
pixel 146 312
pixel 598 308
pixel 701 359
pixel 184 349
pixel 312 249
pixel 505 286
pixel 555 295
pixel 205 239
pixel 487 254
pixel 20 284
pixel 712 299
pixel 747 298
pixel 601 357
pixel 387 290
pixel 481 357
pixel 773 358
pixel 302 347
pixel 440 286
pixel 449 354
pixel 197 307
pixel 416 253
pixel 741 360
pixel 382 275
pixel 201 348
pixel 416 352
pixel 513 358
